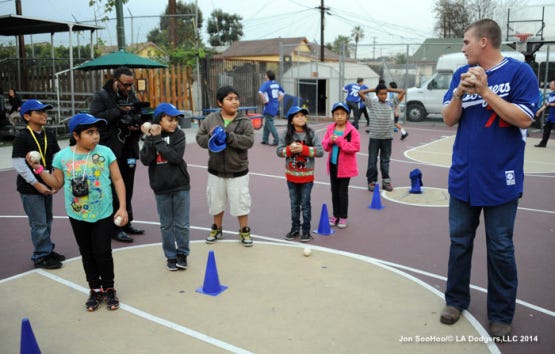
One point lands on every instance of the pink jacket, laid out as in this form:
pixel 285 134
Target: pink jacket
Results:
pixel 349 145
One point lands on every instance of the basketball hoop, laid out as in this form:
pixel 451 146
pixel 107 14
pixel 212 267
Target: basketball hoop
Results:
pixel 520 44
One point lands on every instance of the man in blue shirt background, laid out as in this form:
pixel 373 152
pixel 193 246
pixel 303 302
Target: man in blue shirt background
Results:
pixel 271 93
pixel 353 99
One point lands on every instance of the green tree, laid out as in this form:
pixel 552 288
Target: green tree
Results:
pixel 186 28
pixel 357 34
pixel 452 17
pixel 339 42
pixel 224 28
pixel 108 6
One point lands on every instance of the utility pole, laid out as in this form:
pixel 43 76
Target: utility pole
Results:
pixel 172 9
pixel 322 19
pixel 120 27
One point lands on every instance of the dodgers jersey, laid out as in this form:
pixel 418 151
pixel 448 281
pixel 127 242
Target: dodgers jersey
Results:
pixel 271 91
pixel 352 92
pixel 488 153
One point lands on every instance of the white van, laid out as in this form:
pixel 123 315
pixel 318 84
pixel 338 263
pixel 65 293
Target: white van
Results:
pixel 428 98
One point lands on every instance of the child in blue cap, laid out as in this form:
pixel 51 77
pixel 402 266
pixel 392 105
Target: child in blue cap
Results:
pixel 86 171
pixel 35 194
pixel 162 152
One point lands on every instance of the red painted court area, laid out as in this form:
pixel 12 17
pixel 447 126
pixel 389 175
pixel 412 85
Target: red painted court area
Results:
pixel 411 238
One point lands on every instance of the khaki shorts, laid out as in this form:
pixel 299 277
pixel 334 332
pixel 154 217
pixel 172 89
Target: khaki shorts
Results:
pixel 235 190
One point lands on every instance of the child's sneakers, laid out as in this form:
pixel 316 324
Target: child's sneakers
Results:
pixel 95 299
pixel 215 234
pixel 181 261
pixel 387 186
pixel 172 264
pixel 306 237
pixel 112 301
pixel 333 220
pixel 245 236
pixel 291 235
pixel 342 223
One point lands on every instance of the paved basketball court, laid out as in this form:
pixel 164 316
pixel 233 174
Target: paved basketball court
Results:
pixel 373 287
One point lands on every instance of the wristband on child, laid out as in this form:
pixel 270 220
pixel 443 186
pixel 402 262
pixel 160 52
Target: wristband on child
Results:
pixel 39 170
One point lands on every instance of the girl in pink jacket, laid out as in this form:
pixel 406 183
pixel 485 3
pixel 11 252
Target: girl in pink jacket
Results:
pixel 342 141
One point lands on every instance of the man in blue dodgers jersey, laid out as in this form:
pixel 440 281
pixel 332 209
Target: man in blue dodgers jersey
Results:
pixel 493 99
pixel 271 93
pixel 353 99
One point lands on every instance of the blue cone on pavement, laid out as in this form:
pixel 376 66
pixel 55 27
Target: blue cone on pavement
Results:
pixel 376 199
pixel 324 228
pixel 217 143
pixel 211 284
pixel 415 181
pixel 29 343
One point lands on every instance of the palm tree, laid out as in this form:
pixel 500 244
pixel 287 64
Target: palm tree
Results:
pixel 357 34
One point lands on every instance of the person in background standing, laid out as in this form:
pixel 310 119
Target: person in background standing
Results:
pixel 117 104
pixel 15 106
pixel 550 106
pixel 353 99
pixel 270 93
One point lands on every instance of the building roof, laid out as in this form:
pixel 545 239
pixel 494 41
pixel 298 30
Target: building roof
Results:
pixel 14 25
pixel 433 48
pixel 264 47
pixel 271 48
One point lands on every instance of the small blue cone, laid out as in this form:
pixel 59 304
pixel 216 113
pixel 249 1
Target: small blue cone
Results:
pixel 415 181
pixel 324 228
pixel 376 199
pixel 211 284
pixel 29 343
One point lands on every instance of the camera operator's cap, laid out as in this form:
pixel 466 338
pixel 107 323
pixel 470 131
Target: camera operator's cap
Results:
pixel 33 105
pixel 340 105
pixel 294 110
pixel 84 119
pixel 168 109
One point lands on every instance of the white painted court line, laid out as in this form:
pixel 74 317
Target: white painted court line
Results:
pixel 149 317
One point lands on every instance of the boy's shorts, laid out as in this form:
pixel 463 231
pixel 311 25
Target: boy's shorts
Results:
pixel 235 190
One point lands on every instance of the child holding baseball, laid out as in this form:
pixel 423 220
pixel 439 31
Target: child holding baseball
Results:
pixel 36 195
pixel 162 152
pixel 86 171
pixel 342 141
pixel 299 145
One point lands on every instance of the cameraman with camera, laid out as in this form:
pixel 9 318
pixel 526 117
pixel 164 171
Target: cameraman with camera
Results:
pixel 116 102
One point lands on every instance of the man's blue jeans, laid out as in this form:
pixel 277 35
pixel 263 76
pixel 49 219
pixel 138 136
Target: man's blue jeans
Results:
pixel 269 127
pixel 501 264
pixel 39 212
pixel 173 209
pixel 299 195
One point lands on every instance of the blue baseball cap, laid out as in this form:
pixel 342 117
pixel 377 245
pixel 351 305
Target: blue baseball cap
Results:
pixel 168 109
pixel 33 105
pixel 294 110
pixel 84 119
pixel 340 105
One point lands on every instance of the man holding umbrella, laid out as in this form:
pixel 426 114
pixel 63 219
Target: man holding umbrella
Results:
pixel 116 102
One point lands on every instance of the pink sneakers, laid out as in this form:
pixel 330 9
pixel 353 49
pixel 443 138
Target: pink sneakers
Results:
pixel 342 223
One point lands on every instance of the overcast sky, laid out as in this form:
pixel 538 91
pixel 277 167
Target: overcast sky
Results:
pixel 383 21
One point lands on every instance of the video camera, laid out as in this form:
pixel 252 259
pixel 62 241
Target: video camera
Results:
pixel 134 116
